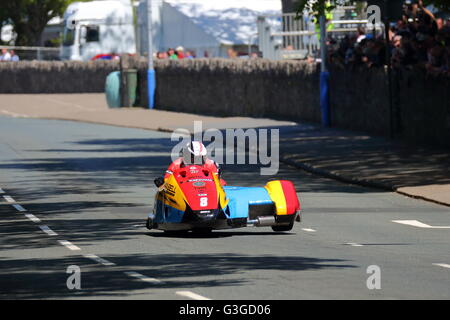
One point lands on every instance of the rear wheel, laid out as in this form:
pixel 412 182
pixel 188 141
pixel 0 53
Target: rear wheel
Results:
pixel 283 228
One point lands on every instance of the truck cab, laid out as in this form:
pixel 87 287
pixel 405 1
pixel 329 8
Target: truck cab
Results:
pixel 98 28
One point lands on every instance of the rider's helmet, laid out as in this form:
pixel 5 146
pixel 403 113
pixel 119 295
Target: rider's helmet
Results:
pixel 194 153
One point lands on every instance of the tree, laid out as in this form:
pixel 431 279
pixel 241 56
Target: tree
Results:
pixel 443 5
pixel 319 7
pixel 29 17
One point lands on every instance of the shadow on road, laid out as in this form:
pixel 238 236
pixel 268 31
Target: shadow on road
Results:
pixel 46 278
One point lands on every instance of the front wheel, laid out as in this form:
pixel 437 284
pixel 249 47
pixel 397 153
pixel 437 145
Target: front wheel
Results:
pixel 283 228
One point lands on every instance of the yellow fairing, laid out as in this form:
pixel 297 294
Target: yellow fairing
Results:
pixel 220 192
pixel 173 192
pixel 276 193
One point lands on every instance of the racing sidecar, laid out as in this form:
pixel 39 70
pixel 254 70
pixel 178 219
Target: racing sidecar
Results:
pixel 193 198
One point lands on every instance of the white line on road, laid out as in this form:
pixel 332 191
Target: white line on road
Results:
pixel 443 265
pixel 418 224
pixel 1 191
pixel 308 230
pixel 68 245
pixel 354 244
pixel 191 295
pixel 9 199
pixel 99 260
pixel 141 277
pixel 48 231
pixel 19 207
pixel 32 217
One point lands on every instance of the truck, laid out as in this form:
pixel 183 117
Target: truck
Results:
pixel 98 30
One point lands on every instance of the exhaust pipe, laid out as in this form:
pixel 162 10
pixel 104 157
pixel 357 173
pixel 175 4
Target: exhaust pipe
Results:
pixel 264 221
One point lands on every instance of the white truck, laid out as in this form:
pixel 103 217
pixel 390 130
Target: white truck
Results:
pixel 98 29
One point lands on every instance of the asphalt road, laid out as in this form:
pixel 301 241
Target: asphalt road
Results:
pixel 75 193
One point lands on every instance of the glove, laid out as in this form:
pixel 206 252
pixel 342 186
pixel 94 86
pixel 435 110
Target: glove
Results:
pixel 159 181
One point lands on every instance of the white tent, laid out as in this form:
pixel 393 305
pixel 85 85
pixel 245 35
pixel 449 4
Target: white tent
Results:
pixel 204 25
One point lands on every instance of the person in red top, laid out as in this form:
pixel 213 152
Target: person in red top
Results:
pixel 194 153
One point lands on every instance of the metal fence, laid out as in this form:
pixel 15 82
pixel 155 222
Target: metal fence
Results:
pixel 287 36
pixel 34 53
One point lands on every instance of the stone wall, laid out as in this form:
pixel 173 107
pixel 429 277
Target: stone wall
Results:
pixel 261 88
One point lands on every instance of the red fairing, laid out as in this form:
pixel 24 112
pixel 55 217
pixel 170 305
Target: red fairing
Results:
pixel 198 186
pixel 292 203
pixel 178 164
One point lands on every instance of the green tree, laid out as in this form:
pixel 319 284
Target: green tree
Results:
pixel 29 17
pixel 443 5
pixel 319 7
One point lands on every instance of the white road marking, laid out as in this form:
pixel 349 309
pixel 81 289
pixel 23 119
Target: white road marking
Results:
pixel 443 265
pixel 68 245
pixel 99 260
pixel 308 230
pixel 418 224
pixel 141 277
pixel 32 217
pixel 191 295
pixel 9 199
pixel 48 231
pixel 1 191
pixel 354 244
pixel 19 207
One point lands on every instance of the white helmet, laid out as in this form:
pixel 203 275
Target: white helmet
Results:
pixel 194 153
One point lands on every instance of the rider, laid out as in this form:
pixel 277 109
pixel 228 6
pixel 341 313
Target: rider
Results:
pixel 193 153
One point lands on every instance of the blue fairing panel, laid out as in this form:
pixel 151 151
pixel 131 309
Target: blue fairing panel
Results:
pixel 172 215
pixel 241 197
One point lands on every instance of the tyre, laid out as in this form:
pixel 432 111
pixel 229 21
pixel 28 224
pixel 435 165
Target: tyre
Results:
pixel 149 224
pixel 283 228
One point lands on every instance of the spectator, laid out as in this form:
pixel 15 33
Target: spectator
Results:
pixel 14 56
pixel 6 56
pixel 180 52
pixel 162 55
pixel 437 60
pixel 231 53
pixel 171 54
pixel 418 39
pixel 188 55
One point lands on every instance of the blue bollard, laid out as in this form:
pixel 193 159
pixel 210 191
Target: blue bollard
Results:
pixel 325 98
pixel 151 85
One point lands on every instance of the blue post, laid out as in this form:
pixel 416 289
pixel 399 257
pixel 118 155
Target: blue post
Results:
pixel 151 85
pixel 325 98
pixel 151 78
pixel 324 74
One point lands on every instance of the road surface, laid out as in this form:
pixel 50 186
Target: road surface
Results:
pixel 77 194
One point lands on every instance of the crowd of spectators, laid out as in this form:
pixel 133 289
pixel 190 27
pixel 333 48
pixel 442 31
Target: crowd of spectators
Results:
pixel 175 54
pixel 8 55
pixel 418 39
